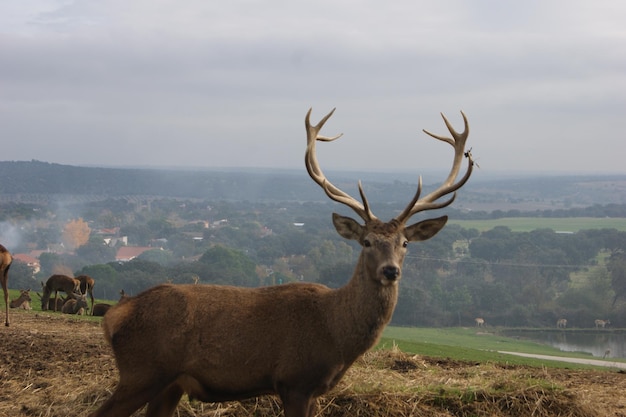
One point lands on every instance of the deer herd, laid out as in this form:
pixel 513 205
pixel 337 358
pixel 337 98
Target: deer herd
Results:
pixel 294 340
pixel 74 302
pixel 75 289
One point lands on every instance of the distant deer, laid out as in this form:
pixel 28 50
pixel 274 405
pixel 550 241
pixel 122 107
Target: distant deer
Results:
pixel 86 287
pixel 295 340
pixel 100 309
pixel 480 322
pixel 5 263
pixel 23 301
pixel 76 305
pixel 561 323
pixel 52 303
pixel 607 354
pixel 56 283
pixel 602 323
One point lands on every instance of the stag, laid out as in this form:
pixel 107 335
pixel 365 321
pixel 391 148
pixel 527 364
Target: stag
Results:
pixel 86 287
pixel 295 340
pixel 56 283
pixel 5 263
pixel 23 301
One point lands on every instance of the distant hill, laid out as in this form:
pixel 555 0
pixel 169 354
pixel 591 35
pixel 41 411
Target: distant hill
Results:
pixel 44 178
pixel 36 180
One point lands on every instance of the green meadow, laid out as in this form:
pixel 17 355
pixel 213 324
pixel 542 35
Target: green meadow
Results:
pixel 474 345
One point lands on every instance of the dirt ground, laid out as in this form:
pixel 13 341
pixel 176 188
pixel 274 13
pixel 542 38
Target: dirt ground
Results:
pixel 59 365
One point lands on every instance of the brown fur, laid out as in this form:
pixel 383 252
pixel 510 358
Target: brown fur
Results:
pixel 100 309
pixel 76 305
pixel 23 301
pixel 56 283
pixel 5 263
pixel 86 287
pixel 220 343
pixel 59 303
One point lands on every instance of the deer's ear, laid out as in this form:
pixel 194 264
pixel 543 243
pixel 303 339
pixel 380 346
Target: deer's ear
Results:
pixel 347 227
pixel 425 229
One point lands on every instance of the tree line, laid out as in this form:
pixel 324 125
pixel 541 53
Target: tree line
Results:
pixel 509 278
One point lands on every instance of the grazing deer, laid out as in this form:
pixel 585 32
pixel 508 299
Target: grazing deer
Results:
pixel 23 301
pixel 561 323
pixel 296 340
pixel 76 305
pixel 602 323
pixel 51 303
pixel 56 283
pixel 86 287
pixel 5 263
pixel 480 322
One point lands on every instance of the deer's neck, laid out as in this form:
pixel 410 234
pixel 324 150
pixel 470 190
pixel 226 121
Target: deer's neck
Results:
pixel 364 308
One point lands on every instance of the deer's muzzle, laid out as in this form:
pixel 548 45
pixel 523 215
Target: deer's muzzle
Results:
pixel 391 272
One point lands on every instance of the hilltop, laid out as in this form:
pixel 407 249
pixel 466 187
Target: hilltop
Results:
pixel 36 181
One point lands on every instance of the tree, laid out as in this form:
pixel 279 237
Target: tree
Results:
pixel 162 257
pixel 617 268
pixel 21 276
pixel 330 252
pixel 106 279
pixel 50 263
pixel 229 266
pixel 75 233
pixel 96 252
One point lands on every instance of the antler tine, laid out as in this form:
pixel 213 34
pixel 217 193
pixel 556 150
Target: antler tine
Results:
pixel 315 172
pixel 429 202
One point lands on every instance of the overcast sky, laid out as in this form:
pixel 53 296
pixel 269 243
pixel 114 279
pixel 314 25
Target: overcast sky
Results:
pixel 200 83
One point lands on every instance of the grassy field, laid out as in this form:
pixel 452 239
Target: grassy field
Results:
pixel 468 344
pixel 35 302
pixel 58 365
pixel 527 224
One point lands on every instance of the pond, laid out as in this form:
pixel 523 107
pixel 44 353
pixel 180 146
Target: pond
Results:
pixel 595 342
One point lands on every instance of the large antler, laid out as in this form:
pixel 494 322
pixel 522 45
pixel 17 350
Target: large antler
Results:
pixel 429 202
pixel 318 176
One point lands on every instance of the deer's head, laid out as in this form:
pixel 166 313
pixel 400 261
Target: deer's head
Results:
pixel 385 243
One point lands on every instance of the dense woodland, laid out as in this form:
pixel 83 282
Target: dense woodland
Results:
pixel 279 230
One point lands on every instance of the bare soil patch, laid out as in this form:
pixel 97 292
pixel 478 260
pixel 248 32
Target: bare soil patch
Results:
pixel 58 365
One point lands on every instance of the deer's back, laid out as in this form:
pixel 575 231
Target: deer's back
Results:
pixel 226 336
pixel 211 313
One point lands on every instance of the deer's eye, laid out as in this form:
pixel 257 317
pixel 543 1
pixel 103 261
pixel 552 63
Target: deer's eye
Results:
pixel 405 243
pixel 367 243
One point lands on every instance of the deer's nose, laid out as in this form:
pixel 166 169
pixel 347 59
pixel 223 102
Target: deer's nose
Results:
pixel 391 272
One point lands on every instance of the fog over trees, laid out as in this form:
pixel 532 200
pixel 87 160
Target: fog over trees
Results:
pixel 511 278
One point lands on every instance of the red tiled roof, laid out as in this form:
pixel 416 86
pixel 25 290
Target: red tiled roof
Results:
pixel 126 253
pixel 27 259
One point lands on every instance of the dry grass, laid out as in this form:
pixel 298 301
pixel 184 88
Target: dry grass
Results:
pixel 54 365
